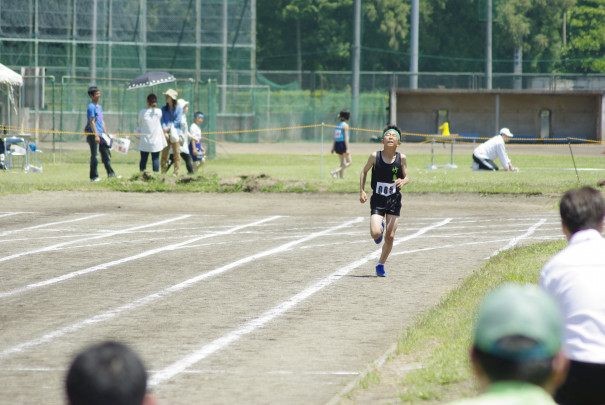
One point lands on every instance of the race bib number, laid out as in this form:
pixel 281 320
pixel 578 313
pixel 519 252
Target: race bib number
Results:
pixel 338 135
pixel 385 189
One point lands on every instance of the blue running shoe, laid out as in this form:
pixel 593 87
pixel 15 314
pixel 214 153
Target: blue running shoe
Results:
pixel 380 271
pixel 377 241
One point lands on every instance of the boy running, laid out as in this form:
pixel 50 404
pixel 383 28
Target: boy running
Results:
pixel 389 174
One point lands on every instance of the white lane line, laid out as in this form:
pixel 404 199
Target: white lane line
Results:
pixel 104 266
pixel 454 245
pixel 49 224
pixel 167 291
pixel 107 235
pixel 488 232
pixel 8 214
pixel 249 327
pixel 519 238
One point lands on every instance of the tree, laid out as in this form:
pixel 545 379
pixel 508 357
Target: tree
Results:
pixel 452 38
pixel 325 34
pixel 386 27
pixel 585 48
pixel 534 26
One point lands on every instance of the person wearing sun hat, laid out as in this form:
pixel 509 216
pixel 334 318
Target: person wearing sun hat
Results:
pixel 485 154
pixel 516 352
pixel 172 114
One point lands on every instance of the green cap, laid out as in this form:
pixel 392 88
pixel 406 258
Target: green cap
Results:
pixel 519 310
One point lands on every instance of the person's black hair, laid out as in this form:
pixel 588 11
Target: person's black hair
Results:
pixel 497 368
pixel 92 90
pixel 346 114
pixel 389 127
pixel 152 99
pixel 197 113
pixel 582 208
pixel 106 374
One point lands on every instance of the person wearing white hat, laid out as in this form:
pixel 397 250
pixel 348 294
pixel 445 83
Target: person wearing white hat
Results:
pixel 172 114
pixel 484 154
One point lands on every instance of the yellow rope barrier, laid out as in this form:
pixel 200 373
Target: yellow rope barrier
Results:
pixel 429 137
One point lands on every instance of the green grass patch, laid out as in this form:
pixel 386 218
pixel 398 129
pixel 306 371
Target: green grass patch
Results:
pixel 369 379
pixel 440 339
pixel 302 173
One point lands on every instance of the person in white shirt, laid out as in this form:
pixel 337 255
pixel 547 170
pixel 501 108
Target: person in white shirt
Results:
pixel 484 154
pixel 196 150
pixel 152 138
pixel 575 277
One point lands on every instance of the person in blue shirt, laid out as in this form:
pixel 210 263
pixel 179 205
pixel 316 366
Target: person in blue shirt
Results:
pixel 172 114
pixel 341 143
pixel 95 127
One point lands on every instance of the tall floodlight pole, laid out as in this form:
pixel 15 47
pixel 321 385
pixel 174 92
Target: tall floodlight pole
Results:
pixel 488 47
pixel 253 40
pixel 198 42
pixel 356 60
pixel 93 59
pixel 414 17
pixel 224 67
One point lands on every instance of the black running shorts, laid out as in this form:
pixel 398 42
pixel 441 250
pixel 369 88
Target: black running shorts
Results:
pixel 382 205
pixel 340 147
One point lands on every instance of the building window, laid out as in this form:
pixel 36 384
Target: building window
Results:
pixel 442 117
pixel 545 124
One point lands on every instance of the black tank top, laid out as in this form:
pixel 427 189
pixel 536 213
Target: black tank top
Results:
pixel 385 174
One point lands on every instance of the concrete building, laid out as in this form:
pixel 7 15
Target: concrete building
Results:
pixel 528 113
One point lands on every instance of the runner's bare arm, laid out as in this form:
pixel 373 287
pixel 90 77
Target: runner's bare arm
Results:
pixel 363 197
pixel 404 170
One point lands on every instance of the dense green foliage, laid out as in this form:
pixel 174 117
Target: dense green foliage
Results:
pixel 585 50
pixel 317 35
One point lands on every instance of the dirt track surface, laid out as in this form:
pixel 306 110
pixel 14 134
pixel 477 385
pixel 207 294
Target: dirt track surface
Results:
pixel 232 298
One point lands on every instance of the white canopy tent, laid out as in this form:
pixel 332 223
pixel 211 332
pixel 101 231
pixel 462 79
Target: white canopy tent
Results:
pixel 9 79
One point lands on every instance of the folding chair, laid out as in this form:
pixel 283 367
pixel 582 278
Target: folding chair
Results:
pixel 15 146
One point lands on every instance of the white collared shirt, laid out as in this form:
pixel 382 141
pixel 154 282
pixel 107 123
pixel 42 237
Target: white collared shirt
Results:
pixel 493 148
pixel 575 277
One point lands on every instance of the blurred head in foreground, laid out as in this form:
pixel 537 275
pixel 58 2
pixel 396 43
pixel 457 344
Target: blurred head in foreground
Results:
pixel 518 337
pixel 108 373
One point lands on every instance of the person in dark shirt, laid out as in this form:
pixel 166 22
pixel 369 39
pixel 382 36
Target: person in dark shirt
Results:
pixel 389 174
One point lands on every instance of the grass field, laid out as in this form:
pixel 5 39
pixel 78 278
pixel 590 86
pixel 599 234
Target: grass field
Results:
pixel 539 174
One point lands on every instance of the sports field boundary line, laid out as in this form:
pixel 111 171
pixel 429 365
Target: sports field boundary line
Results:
pixel 450 246
pixel 5 233
pixel 250 326
pixel 8 214
pixel 107 235
pixel 105 266
pixel 169 290
pixel 519 238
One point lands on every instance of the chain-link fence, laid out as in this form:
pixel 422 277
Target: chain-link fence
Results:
pixel 120 39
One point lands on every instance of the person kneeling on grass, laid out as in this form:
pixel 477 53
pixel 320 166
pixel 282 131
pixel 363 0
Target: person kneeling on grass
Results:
pixel 484 154
pixel 516 351
pixel 389 174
